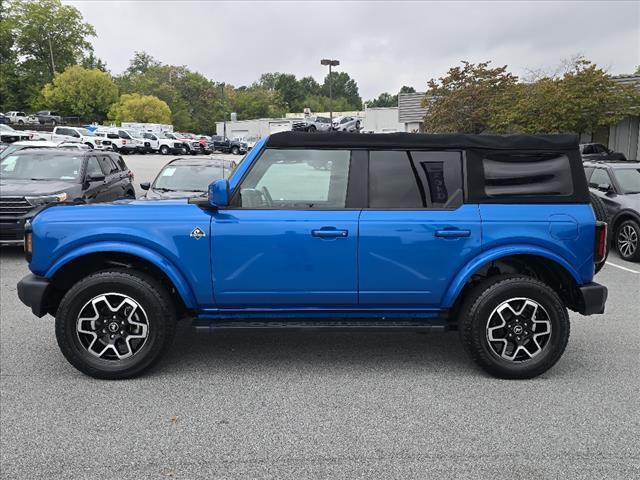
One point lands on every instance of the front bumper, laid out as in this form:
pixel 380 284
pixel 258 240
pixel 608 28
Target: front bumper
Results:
pixel 592 298
pixel 32 291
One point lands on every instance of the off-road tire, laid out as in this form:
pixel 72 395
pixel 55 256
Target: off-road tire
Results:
pixel 629 226
pixel 147 292
pixel 474 315
pixel 164 150
pixel 235 151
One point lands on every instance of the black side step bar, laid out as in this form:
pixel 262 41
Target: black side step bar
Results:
pixel 394 325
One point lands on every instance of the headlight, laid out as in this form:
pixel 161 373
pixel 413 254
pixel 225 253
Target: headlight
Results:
pixel 45 199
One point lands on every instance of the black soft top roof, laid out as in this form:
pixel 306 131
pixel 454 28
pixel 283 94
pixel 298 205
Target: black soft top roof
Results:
pixel 421 141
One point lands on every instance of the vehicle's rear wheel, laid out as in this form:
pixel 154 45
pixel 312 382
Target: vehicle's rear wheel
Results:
pixel 312 128
pixel 115 324
pixel 514 326
pixel 627 240
pixel 164 150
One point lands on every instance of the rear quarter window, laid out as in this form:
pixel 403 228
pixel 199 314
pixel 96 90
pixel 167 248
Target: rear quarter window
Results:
pixel 511 175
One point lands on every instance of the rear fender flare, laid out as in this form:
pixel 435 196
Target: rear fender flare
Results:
pixel 472 266
pixel 174 274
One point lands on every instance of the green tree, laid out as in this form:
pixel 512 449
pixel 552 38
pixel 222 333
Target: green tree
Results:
pixel 140 108
pixel 49 35
pixel 45 37
pixel 257 102
pixel 465 99
pixel 581 100
pixel 342 85
pixel 196 102
pixel 387 100
pixel 384 100
pixel 9 75
pixel 82 92
pixel 287 86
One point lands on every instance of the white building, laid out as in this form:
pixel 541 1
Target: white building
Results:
pixel 381 120
pixel 256 128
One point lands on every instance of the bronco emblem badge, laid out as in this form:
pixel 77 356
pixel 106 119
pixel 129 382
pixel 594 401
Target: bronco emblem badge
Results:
pixel 197 233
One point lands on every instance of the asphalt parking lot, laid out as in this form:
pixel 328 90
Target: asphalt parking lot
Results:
pixel 321 405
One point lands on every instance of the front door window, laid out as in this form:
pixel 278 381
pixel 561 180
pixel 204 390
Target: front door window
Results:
pixel 286 179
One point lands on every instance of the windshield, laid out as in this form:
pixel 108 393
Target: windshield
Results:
pixel 33 166
pixel 84 132
pixel 189 178
pixel 629 179
pixel 9 150
pixel 5 128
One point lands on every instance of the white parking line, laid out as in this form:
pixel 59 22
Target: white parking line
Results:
pixel 621 267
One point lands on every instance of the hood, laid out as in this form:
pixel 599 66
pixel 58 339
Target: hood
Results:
pixel 154 194
pixel 19 188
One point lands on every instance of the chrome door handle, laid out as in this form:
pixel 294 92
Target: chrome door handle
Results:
pixel 452 233
pixel 329 233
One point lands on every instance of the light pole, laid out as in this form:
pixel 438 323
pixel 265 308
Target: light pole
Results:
pixel 331 63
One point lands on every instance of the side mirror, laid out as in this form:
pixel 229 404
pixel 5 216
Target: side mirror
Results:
pixel 219 193
pixel 95 178
pixel 145 185
pixel 604 187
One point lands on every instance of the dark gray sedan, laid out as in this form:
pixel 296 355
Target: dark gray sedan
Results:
pixel 617 184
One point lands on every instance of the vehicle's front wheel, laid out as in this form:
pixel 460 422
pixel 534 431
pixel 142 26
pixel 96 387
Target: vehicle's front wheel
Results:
pixel 628 240
pixel 514 326
pixel 115 324
pixel 164 150
pixel 235 150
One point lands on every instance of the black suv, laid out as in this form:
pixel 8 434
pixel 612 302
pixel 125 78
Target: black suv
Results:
pixel 597 151
pixel 225 145
pixel 33 178
pixel 617 184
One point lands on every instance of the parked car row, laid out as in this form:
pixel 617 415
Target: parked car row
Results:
pixel 43 117
pixel 317 123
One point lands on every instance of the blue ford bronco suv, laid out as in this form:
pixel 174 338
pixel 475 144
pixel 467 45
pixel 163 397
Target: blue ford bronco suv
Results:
pixel 491 235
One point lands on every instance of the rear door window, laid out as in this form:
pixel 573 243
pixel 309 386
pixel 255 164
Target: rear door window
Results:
pixel 416 179
pixel 600 177
pixel 93 168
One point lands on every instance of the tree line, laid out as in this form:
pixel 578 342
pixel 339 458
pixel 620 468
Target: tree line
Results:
pixel 47 62
pixel 479 98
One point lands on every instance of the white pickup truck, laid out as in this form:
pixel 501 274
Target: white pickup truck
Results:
pixel 64 134
pixel 123 141
pixel 22 118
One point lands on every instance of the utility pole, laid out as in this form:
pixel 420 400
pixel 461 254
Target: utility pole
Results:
pixel 53 65
pixel 330 63
pixel 224 113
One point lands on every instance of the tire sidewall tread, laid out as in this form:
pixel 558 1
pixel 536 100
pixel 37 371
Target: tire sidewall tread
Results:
pixel 487 295
pixel 156 302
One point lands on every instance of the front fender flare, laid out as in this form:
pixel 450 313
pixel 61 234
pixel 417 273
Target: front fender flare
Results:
pixel 465 273
pixel 174 274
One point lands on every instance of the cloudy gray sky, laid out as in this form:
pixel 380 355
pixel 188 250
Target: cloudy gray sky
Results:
pixel 383 45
